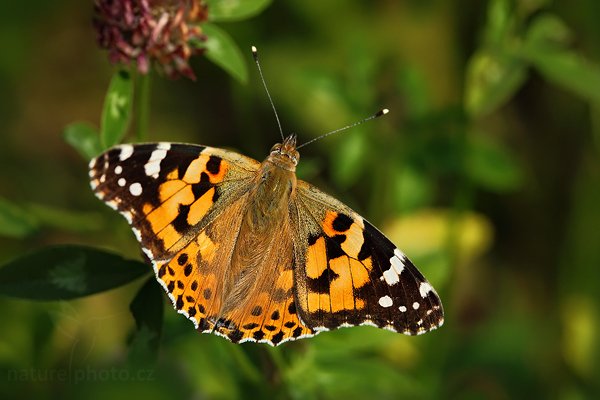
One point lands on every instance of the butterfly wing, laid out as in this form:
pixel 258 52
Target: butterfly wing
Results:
pixel 169 192
pixel 348 273
pixel 184 204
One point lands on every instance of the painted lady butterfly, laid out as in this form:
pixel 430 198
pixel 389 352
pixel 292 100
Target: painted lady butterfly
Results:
pixel 249 252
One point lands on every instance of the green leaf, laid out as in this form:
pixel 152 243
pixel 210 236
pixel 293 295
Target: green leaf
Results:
pixel 68 220
pixel 147 310
pixel 491 166
pixel 116 113
pixel 18 221
pixel 546 49
pixel 66 272
pixel 15 221
pixel 500 21
pixel 222 50
pixel 548 30
pixel 491 81
pixel 568 70
pixel 84 138
pixel 235 10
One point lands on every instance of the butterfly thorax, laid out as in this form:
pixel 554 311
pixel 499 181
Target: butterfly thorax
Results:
pixel 275 184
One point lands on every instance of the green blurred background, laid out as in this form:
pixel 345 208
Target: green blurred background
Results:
pixel 485 172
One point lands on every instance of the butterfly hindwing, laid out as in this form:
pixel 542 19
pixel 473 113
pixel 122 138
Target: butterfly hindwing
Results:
pixel 264 311
pixel 350 274
pixel 268 312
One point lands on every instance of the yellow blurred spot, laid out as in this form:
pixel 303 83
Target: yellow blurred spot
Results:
pixel 433 230
pixel 580 320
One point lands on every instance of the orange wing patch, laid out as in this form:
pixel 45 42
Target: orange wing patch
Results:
pixel 208 164
pixel 350 274
pixel 336 223
pixel 333 269
pixel 316 259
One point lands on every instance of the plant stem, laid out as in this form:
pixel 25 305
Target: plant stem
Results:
pixel 142 106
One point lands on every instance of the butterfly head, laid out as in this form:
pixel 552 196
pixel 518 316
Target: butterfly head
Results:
pixel 284 154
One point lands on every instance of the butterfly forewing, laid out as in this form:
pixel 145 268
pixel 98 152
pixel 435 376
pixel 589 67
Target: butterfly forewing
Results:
pixel 166 191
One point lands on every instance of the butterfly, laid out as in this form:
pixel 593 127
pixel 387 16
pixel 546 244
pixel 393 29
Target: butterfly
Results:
pixel 247 251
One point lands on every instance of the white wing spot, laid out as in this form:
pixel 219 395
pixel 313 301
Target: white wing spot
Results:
pixel 121 182
pixel 402 308
pixel 397 261
pixel 92 163
pixel 385 301
pixel 425 288
pixel 135 189
pixel 391 277
pixel 399 254
pixel 152 167
pixel 126 152
pixel 118 169
pixel 416 305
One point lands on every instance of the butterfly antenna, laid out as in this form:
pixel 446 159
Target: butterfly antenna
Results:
pixel 376 115
pixel 262 78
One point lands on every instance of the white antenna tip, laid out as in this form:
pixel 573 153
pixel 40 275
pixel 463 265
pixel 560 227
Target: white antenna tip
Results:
pixel 254 50
pixel 382 112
